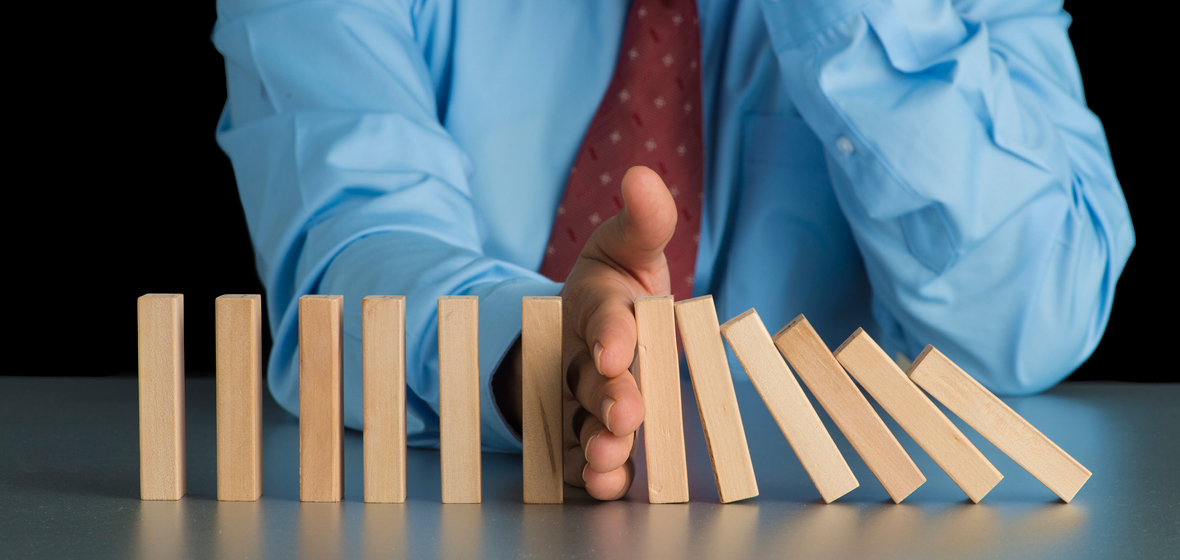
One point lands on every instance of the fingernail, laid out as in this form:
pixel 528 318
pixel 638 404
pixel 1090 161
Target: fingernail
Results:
pixel 586 449
pixel 598 356
pixel 584 472
pixel 607 404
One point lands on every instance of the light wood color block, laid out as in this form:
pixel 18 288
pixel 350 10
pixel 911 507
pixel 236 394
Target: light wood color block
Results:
pixel 848 408
pixel 161 396
pixel 239 397
pixel 458 395
pixel 659 381
pixel 917 415
pixel 700 334
pixel 799 422
pixel 997 422
pixel 321 398
pixel 541 397
pixel 383 350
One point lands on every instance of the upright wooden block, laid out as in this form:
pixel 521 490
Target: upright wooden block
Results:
pixel 751 342
pixel 239 397
pixel 383 347
pixel 717 403
pixel 997 422
pixel 881 377
pixel 321 398
pixel 852 413
pixel 161 396
pixel 540 338
pixel 458 395
pixel 659 382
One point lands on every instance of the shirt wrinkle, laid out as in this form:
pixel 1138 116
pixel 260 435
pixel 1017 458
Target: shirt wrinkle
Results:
pixel 939 181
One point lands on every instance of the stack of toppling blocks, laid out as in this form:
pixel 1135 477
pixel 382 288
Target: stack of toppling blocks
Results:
pixel 656 368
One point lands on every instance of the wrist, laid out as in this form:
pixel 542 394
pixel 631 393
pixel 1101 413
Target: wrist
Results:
pixel 506 387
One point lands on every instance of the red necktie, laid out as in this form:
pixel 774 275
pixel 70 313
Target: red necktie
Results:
pixel 650 115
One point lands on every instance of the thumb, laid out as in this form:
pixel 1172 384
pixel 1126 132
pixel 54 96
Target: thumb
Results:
pixel 635 237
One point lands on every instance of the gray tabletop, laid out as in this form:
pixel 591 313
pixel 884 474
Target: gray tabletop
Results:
pixel 69 486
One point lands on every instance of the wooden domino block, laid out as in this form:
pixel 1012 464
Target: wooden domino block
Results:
pixel 458 395
pixel 751 342
pixel 659 382
pixel 848 408
pixel 239 397
pixel 716 401
pixel 161 396
pixel 997 422
pixel 889 386
pixel 321 398
pixel 540 338
pixel 383 349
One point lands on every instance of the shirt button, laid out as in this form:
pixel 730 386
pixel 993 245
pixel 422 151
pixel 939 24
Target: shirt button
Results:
pixel 844 145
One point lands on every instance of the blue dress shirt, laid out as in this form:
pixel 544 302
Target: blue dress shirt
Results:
pixel 926 169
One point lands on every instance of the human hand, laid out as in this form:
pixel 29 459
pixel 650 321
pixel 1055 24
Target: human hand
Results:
pixel 622 260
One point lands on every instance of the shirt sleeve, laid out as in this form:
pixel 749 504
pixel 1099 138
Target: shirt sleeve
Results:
pixel 979 187
pixel 351 185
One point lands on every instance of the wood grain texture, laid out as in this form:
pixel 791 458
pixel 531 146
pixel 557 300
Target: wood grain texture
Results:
pixel 725 437
pixel 540 339
pixel 458 395
pixel 917 415
pixel 239 397
pixel 797 419
pixel 997 422
pixel 383 351
pixel 161 396
pixel 659 382
pixel 321 398
pixel 809 356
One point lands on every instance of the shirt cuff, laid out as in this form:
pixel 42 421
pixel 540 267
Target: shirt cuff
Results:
pixel 499 327
pixel 792 22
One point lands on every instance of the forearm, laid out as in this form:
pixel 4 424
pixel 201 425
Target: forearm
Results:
pixel 423 270
pixel 352 186
pixel 977 184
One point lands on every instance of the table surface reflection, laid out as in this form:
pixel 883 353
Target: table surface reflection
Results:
pixel 69 486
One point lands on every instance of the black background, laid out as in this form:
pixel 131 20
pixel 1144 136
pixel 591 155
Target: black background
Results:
pixel 118 188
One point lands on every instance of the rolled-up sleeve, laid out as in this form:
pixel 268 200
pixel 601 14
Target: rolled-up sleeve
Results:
pixel 351 185
pixel 978 185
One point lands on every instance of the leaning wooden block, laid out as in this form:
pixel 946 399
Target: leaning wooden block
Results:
pixel 321 398
pixel 239 397
pixel 852 413
pixel 383 351
pixel 751 342
pixel 881 377
pixel 458 395
pixel 997 422
pixel 659 382
pixel 540 339
pixel 161 396
pixel 716 401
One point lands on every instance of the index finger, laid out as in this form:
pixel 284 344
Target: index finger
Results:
pixel 603 315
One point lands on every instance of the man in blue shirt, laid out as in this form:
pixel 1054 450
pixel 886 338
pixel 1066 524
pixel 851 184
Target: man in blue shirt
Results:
pixel 925 169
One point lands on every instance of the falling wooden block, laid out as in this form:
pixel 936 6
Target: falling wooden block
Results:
pixel 751 342
pixel 848 408
pixel 541 397
pixel 321 398
pixel 997 422
pixel 889 386
pixel 383 348
pixel 716 401
pixel 161 396
pixel 458 396
pixel 239 397
pixel 659 382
